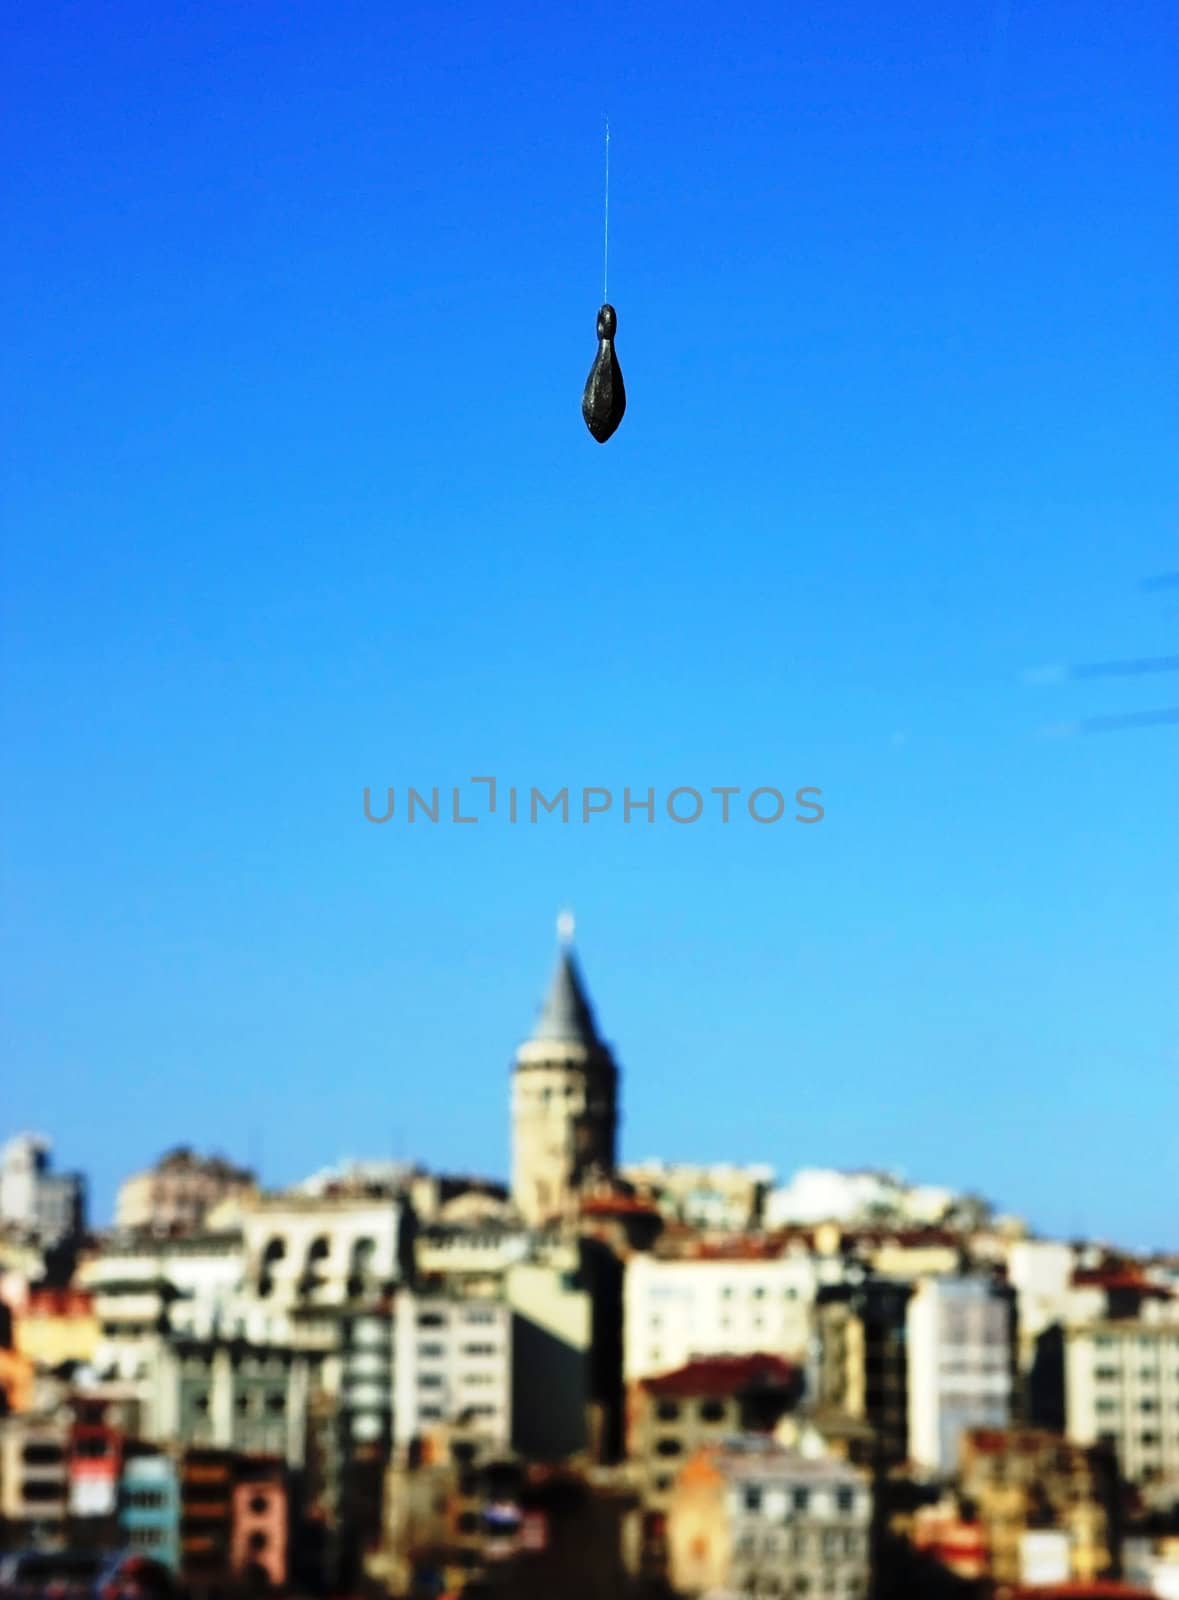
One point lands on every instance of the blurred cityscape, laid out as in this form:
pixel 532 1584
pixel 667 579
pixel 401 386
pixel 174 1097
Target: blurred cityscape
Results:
pixel 600 1379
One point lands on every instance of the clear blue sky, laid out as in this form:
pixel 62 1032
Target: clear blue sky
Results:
pixel 297 498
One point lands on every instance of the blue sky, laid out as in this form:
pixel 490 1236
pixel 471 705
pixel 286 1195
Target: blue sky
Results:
pixel 297 498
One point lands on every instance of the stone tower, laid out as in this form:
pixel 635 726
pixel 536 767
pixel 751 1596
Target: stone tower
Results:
pixel 564 1098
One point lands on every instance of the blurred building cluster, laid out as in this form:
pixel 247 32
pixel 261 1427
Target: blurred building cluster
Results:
pixel 600 1378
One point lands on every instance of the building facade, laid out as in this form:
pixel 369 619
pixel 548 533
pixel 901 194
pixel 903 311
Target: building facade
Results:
pixel 452 1363
pixel 961 1355
pixel 750 1518
pixel 149 1505
pixel 671 1417
pixel 863 1360
pixel 681 1308
pixel 50 1206
pixel 176 1194
pixel 1122 1388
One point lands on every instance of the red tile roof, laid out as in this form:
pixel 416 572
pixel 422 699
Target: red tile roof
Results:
pixel 722 1376
pixel 1117 1278
pixel 1098 1589
pixel 618 1205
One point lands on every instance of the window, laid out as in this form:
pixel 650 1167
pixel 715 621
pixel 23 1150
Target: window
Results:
pixel 40 1490
pixel 259 1503
pixel 751 1498
pixel 478 1349
pixel 431 1319
pixel 429 1380
pixel 667 1410
pixel 712 1411
pixel 429 1351
pixel 145 1499
pixel 845 1500
pixel 42 1455
pixel 276 1402
pixel 480 1316
pixel 800 1499
pixel 668 1447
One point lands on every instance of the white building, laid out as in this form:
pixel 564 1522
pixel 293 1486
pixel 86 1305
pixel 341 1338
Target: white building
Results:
pixel 959 1335
pixel 1040 1271
pixel 676 1310
pixel 49 1205
pixel 143 1285
pixel 823 1194
pixel 1122 1385
pixel 451 1362
pixel 322 1250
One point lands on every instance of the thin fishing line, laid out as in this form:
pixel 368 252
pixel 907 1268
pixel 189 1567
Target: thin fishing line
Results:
pixel 606 225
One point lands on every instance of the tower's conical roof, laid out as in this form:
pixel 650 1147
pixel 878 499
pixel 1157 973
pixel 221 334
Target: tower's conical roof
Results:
pixel 567 1015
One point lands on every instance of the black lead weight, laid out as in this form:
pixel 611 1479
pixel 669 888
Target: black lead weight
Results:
pixel 604 399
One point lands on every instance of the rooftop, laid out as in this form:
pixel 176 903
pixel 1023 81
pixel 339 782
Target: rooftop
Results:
pixel 566 1017
pixel 722 1376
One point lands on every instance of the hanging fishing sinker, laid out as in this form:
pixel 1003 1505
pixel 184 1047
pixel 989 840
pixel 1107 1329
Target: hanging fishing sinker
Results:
pixel 604 399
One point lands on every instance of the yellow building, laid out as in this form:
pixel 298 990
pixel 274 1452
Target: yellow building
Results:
pixel 56 1326
pixel 1023 1479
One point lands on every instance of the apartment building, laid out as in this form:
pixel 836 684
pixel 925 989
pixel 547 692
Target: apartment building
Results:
pixel 149 1504
pixel 206 1518
pixel 672 1416
pixel 34 1475
pixel 451 1362
pixel 45 1205
pixel 960 1370
pixel 1122 1388
pixel 54 1326
pixel 744 1300
pixel 261 1523
pixel 232 1395
pixel 324 1250
pixel 750 1518
pixel 863 1361
pixel 1028 1481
